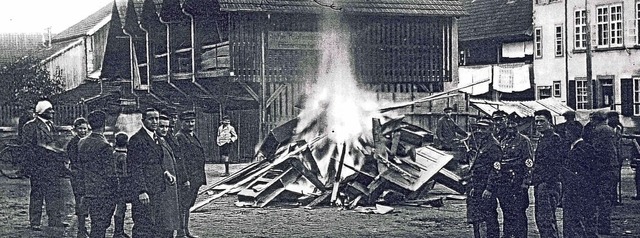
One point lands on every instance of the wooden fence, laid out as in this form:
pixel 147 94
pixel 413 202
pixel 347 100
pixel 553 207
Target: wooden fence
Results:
pixel 65 114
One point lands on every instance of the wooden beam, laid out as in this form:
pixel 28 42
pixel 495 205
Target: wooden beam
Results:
pixel 275 94
pixel 253 94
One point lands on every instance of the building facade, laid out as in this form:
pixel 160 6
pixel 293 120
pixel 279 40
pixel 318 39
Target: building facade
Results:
pixel 564 32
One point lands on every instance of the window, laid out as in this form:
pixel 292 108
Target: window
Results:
pixel 558 41
pixel 580 30
pixel 638 23
pixel 557 89
pixel 636 96
pixel 609 25
pixel 538 42
pixel 544 92
pixel 582 101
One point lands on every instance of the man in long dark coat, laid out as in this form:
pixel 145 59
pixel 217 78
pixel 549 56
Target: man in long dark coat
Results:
pixel 148 176
pixel 170 212
pixel 602 138
pixel 44 164
pixel 192 154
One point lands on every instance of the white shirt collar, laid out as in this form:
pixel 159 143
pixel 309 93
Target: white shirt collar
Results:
pixel 150 133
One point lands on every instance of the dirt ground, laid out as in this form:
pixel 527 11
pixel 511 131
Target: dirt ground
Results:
pixel 222 219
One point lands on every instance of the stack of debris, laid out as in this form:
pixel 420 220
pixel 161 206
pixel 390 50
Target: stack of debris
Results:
pixel 399 165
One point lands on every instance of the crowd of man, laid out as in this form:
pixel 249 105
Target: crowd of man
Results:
pixel 570 165
pixel 158 171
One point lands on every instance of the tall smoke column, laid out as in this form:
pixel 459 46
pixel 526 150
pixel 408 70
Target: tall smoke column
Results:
pixel 337 107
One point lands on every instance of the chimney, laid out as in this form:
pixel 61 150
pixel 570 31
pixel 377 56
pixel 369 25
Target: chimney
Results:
pixel 46 37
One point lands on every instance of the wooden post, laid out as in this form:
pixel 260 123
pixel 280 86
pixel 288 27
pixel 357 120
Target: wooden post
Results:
pixel 336 181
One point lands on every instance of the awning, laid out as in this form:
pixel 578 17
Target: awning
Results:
pixel 522 108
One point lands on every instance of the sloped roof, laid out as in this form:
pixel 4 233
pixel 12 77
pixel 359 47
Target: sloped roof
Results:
pixel 495 18
pixel 46 53
pixel 16 45
pixel 81 28
pixel 378 7
pixel 522 108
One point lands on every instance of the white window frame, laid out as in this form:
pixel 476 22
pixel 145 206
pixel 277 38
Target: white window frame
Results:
pixel 559 40
pixel 580 29
pixel 537 38
pixel 609 25
pixel 582 96
pixel 556 89
pixel 545 92
pixel 636 96
pixel 637 23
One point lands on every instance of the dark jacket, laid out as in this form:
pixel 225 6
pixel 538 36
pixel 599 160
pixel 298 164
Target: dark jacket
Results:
pixel 447 130
pixel 40 157
pixel 95 156
pixel 548 158
pixel 487 152
pixel 512 170
pixel 192 153
pixel 72 153
pixel 144 161
pixel 603 139
pixel 181 172
pixel 580 169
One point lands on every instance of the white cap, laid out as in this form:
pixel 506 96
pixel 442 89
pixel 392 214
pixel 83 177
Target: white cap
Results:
pixel 43 106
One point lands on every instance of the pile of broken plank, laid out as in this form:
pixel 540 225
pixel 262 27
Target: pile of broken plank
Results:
pixel 401 167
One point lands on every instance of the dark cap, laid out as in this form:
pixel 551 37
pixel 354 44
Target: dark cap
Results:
pixel 512 119
pixel 598 115
pixel 569 114
pixel 447 109
pixel 482 122
pixel 498 113
pixel 188 115
pixel 226 118
pixel 169 111
pixel 612 114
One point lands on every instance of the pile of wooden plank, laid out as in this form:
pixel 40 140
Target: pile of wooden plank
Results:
pixel 400 160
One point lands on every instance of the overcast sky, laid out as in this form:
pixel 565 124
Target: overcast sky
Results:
pixel 26 16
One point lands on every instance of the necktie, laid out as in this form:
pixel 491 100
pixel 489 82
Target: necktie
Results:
pixel 50 125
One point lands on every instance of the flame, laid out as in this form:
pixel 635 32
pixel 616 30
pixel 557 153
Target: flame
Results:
pixel 337 107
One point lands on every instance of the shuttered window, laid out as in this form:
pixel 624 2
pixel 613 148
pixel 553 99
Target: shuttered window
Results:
pixel 629 96
pixel 571 94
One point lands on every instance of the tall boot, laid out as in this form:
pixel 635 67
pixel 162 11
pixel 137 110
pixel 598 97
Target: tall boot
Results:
pixel 118 230
pixel 180 233
pixel 186 226
pixel 82 227
pixel 226 168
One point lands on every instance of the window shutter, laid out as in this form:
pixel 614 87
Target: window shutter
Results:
pixel 626 96
pixel 571 94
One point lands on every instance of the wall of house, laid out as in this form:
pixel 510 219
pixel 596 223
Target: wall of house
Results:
pixel 618 63
pixel 549 67
pixel 96 45
pixel 615 63
pixel 69 66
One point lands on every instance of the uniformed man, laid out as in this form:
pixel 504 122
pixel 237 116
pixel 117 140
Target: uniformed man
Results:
pixel 193 157
pixel 578 199
pixel 481 205
pixel 569 128
pixel 602 138
pixel 546 174
pixel 613 120
pixel 509 173
pixel 447 131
